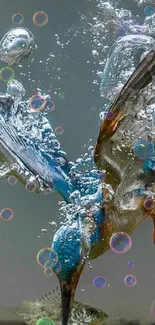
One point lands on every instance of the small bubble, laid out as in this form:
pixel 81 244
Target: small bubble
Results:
pixel 99 282
pixel 40 18
pixel 48 271
pixel 57 268
pixel 12 180
pixel 37 102
pixel 120 242
pixel 30 186
pixel 6 214
pixel 6 74
pixel 47 264
pixel 61 95
pixel 18 18
pixel 59 130
pixel 142 149
pixel 148 204
pixel 131 264
pixel 53 224
pixel 102 176
pixel 53 257
pixel 110 115
pixel 49 106
pixel 130 280
pixel 43 230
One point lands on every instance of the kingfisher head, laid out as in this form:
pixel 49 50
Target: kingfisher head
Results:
pixel 71 244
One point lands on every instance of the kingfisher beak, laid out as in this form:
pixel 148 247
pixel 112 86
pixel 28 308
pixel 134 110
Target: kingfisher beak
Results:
pixel 68 289
pixel 67 295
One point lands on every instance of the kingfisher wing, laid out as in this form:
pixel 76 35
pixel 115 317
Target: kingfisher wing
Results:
pixel 120 130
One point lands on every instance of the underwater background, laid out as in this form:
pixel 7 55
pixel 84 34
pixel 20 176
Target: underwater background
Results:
pixel 63 63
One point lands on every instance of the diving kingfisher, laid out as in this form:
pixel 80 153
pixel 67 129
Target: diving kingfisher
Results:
pixel 87 233
pixel 118 203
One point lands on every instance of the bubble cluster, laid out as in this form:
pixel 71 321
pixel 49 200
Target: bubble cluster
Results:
pixel 18 18
pixel 47 258
pixel 148 204
pixel 16 45
pixel 45 321
pixel 37 102
pixel 59 130
pixel 12 180
pixel 6 214
pixel 40 18
pixel 120 242
pixel 99 282
pixel 130 280
pixel 142 149
pixel 6 74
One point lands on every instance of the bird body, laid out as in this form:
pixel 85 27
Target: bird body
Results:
pixel 125 173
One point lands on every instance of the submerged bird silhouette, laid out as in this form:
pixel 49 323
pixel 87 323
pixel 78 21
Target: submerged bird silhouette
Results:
pixel 87 234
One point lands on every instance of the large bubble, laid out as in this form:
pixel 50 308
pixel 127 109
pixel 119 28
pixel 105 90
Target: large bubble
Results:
pixel 120 242
pixel 15 45
pixel 123 58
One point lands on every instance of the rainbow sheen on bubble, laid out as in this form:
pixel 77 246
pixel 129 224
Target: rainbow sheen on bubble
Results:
pixel 131 264
pixel 130 280
pixel 43 256
pixel 102 175
pixel 142 148
pixel 49 106
pixel 57 268
pixel 6 214
pixel 53 257
pixel 17 18
pixel 48 271
pixel 59 130
pixel 12 180
pixel 120 242
pixel 45 321
pixel 110 115
pixel 37 102
pixel 148 204
pixel 40 18
pixel 99 282
pixel 30 186
pixel 6 74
